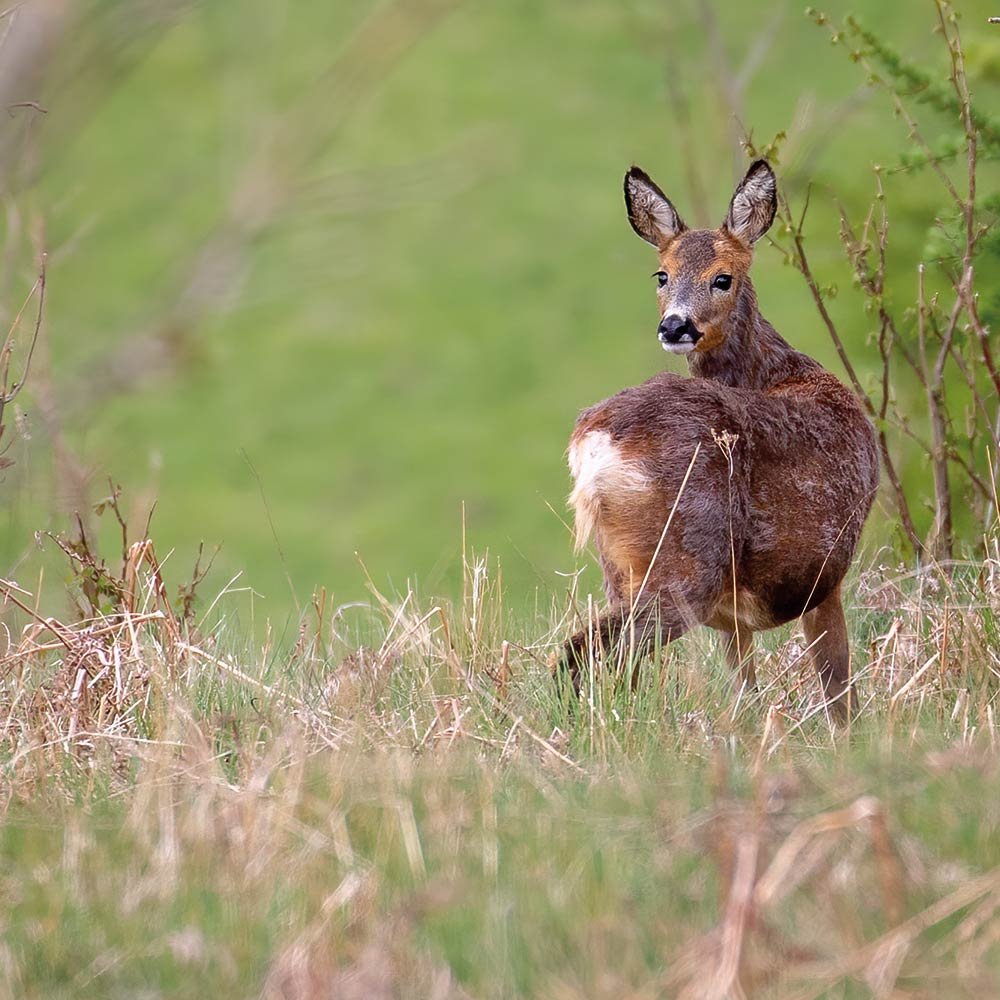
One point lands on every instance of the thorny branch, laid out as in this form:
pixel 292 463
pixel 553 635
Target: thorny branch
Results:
pixel 928 340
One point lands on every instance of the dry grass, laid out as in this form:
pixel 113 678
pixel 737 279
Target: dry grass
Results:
pixel 401 805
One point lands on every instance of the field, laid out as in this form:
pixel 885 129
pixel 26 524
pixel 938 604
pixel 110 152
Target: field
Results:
pixel 398 311
pixel 325 286
pixel 403 806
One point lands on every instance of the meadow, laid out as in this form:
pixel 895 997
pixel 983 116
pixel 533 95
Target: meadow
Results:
pixel 320 282
pixel 326 285
pixel 402 805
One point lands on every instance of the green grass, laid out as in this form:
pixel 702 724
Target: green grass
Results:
pixel 448 279
pixel 385 877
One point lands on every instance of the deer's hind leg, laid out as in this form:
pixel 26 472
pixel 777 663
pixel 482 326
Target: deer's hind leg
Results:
pixel 738 645
pixel 826 633
pixel 660 578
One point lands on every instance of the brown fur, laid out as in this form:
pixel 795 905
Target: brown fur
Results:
pixel 785 475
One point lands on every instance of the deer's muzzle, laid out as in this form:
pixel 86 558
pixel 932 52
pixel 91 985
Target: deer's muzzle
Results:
pixel 678 334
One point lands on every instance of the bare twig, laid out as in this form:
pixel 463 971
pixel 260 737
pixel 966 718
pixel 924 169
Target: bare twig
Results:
pixel 9 391
pixel 940 541
pixel 34 105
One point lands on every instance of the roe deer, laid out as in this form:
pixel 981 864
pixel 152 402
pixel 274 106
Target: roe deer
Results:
pixel 735 498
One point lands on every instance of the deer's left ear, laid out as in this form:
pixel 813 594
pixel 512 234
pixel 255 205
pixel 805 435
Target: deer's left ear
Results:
pixel 755 200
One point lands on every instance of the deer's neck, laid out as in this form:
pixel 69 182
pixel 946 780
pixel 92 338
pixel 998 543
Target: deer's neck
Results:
pixel 753 355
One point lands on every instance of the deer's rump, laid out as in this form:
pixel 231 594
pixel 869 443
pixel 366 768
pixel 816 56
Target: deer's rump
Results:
pixel 766 511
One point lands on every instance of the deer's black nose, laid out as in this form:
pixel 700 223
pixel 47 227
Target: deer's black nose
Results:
pixel 673 328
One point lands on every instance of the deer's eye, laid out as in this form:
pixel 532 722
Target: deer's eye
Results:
pixel 661 278
pixel 723 282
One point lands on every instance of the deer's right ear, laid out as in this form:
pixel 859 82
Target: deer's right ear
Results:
pixel 754 203
pixel 649 210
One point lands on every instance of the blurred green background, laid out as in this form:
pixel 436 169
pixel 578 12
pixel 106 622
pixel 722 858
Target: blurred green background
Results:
pixel 320 274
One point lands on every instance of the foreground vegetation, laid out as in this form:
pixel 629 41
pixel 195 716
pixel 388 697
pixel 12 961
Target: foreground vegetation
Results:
pixel 392 799
pixel 399 804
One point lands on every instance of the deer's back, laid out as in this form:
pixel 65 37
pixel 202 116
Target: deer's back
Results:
pixel 781 484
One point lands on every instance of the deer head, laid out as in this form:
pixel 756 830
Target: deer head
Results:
pixel 702 272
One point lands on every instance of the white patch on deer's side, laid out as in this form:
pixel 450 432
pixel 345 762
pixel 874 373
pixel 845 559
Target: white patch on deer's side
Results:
pixel 599 471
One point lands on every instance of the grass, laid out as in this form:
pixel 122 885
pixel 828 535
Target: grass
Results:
pixel 398 803
pixel 449 280
pixel 387 796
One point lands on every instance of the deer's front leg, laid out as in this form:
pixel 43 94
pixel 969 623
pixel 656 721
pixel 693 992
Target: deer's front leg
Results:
pixel 623 633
